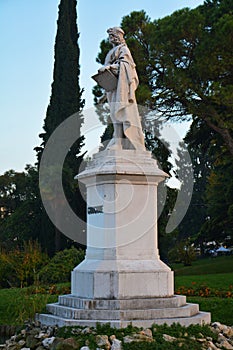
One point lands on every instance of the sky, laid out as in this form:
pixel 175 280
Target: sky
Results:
pixel 27 37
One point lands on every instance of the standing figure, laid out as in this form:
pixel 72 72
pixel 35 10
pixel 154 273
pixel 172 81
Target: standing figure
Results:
pixel 122 102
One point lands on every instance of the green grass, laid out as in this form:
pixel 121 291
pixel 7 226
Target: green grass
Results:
pixel 221 264
pixel 221 309
pixel 217 275
pixel 219 281
pixel 18 305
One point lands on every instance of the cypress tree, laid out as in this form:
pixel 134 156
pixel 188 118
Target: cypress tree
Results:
pixel 66 99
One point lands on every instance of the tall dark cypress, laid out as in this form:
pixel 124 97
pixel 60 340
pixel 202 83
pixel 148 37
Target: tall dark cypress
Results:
pixel 66 93
pixel 66 99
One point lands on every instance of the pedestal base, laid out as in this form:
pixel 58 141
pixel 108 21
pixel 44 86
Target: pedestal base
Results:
pixel 74 311
pixel 122 280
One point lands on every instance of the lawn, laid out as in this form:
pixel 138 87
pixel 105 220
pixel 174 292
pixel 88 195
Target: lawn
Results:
pixel 18 305
pixel 221 309
pixel 221 264
pixel 213 279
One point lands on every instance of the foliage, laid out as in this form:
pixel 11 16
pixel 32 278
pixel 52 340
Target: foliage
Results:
pixel 204 291
pixel 20 208
pixel 219 197
pixel 193 65
pixel 66 100
pixel 59 267
pixel 209 215
pixel 13 191
pixel 197 140
pixel 54 289
pixel 20 266
pixel 192 69
pixel 183 252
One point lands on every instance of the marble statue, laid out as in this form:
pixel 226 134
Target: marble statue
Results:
pixel 122 101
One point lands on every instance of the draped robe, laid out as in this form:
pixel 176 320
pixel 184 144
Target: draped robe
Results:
pixel 122 101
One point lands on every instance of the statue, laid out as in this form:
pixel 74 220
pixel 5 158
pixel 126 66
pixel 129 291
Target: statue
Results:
pixel 120 65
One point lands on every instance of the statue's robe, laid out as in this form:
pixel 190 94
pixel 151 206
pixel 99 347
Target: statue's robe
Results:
pixel 122 101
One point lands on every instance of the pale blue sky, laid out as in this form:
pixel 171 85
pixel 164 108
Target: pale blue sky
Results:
pixel 27 36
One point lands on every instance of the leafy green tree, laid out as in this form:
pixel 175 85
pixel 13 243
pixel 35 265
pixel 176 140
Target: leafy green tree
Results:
pixel 13 191
pixel 21 210
pixel 198 141
pixel 209 217
pixel 66 99
pixel 219 199
pixel 192 66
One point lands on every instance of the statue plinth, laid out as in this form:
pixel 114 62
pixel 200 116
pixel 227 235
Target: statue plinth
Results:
pixel 122 259
pixel 122 280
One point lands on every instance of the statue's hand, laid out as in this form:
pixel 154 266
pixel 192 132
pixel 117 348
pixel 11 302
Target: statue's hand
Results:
pixel 102 69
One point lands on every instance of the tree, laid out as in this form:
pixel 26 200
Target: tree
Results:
pixel 66 99
pixel 209 217
pixel 192 66
pixel 198 140
pixel 219 199
pixel 21 208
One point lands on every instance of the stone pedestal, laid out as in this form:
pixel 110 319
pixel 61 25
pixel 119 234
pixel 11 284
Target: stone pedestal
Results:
pixel 122 280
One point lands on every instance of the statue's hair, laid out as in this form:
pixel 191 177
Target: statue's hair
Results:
pixel 118 32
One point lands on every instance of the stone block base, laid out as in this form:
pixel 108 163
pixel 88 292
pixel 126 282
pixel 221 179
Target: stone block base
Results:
pixel 75 311
pixel 122 279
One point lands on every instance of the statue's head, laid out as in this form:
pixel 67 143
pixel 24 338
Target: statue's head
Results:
pixel 116 35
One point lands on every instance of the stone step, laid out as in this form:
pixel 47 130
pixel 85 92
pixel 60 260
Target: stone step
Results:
pixel 199 318
pixel 105 304
pixel 77 314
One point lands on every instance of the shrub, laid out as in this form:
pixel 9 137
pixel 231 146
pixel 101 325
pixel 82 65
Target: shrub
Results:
pixel 20 266
pixel 60 266
pixel 182 252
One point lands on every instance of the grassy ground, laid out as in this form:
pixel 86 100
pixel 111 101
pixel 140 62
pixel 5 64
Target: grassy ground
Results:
pixel 211 278
pixel 221 309
pixel 221 264
pixel 18 305
pixel 216 281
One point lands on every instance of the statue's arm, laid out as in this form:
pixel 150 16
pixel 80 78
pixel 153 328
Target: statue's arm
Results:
pixel 114 68
pixel 112 64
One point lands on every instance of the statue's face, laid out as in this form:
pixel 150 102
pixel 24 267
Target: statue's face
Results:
pixel 114 39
